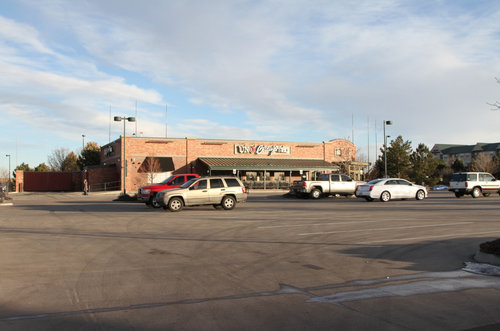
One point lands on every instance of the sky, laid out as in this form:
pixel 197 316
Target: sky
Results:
pixel 294 70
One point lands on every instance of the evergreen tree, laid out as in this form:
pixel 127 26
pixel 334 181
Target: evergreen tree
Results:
pixel 424 166
pixel 458 165
pixel 398 158
pixel 23 166
pixel 42 167
pixel 90 155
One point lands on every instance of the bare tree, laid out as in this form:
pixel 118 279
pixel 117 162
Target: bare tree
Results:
pixel 496 104
pixel 4 176
pixel 152 168
pixel 484 162
pixel 57 158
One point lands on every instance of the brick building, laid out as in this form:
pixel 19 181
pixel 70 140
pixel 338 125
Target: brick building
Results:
pixel 266 164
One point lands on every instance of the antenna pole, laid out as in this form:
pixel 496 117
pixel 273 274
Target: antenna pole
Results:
pixel 109 124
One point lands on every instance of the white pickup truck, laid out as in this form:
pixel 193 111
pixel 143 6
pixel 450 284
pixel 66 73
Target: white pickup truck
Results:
pixel 327 184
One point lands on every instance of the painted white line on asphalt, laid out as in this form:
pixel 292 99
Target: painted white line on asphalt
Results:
pixel 384 229
pixel 428 237
pixel 309 224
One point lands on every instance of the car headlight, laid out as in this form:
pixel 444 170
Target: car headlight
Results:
pixel 146 191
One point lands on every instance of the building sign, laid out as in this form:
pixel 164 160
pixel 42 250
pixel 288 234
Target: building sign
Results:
pixel 261 149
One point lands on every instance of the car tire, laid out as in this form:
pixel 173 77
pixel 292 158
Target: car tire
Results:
pixel 175 204
pixel 459 195
pixel 476 192
pixel 315 194
pixel 228 202
pixel 385 196
pixel 420 195
pixel 153 203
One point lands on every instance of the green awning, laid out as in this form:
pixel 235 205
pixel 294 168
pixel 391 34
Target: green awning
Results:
pixel 260 164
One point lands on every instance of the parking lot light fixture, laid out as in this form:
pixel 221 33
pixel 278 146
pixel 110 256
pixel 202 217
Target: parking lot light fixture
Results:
pixel 385 148
pixel 124 161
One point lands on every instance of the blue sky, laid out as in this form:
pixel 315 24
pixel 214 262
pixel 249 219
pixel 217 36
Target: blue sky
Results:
pixel 267 70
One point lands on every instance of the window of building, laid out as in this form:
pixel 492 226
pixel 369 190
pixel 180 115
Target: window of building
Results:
pixel 338 152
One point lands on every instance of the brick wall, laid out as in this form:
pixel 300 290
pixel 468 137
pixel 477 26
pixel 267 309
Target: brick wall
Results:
pixel 185 152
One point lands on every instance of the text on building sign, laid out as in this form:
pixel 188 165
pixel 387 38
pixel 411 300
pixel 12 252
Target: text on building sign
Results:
pixel 261 149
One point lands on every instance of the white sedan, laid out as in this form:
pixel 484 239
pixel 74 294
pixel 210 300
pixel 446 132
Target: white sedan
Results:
pixel 386 189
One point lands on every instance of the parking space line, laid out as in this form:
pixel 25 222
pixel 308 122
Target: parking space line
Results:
pixel 428 237
pixel 384 229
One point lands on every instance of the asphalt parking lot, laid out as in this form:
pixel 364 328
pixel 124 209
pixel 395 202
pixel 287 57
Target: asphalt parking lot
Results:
pixel 73 262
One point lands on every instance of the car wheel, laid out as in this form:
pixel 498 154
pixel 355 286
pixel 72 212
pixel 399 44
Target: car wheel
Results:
pixel 476 192
pixel 385 196
pixel 228 202
pixel 153 203
pixel 368 199
pixel 458 194
pixel 315 194
pixel 175 204
pixel 420 195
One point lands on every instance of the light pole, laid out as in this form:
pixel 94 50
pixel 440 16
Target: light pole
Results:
pixel 83 142
pixel 124 119
pixel 8 183
pixel 385 148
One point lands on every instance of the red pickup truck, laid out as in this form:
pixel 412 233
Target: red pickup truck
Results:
pixel 147 193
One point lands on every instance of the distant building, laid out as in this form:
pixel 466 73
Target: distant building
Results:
pixel 466 153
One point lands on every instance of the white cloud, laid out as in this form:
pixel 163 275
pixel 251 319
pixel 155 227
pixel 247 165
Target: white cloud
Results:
pixel 285 70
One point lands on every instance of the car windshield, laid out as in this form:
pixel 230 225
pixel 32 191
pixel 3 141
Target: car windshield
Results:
pixel 373 182
pixel 189 182
pixel 166 180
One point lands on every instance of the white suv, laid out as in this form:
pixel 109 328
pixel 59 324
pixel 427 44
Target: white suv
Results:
pixel 219 191
pixel 474 183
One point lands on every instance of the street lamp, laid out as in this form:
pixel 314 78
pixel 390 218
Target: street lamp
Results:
pixel 124 119
pixel 8 184
pixel 83 142
pixel 385 148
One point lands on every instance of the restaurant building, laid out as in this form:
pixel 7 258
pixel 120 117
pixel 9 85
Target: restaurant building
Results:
pixel 260 164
